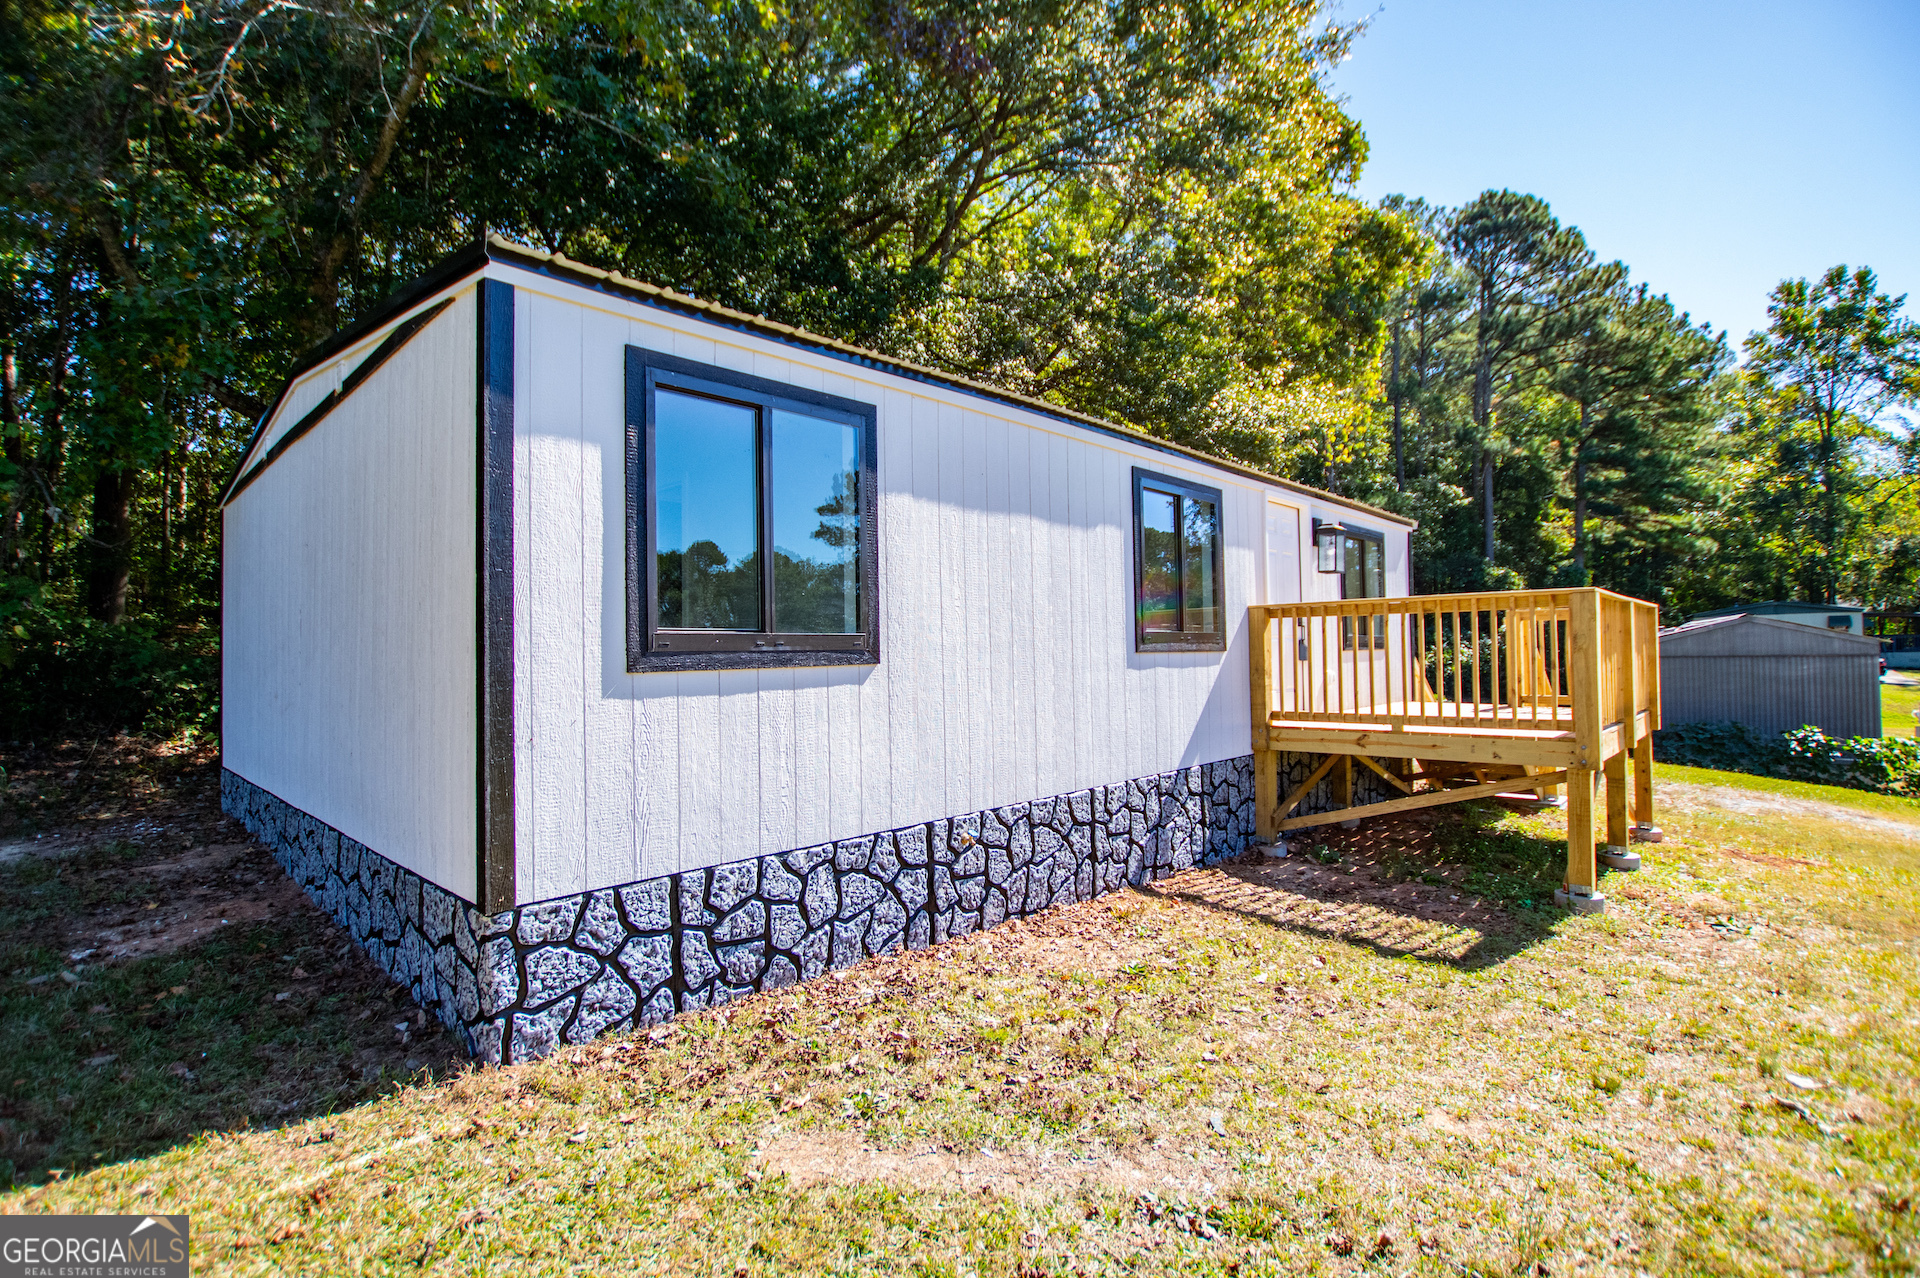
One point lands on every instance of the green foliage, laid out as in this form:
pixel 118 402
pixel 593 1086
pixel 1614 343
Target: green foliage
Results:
pixel 72 672
pixel 1887 765
pixel 1134 210
pixel 1825 477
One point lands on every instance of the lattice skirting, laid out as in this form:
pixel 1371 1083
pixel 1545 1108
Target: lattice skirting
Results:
pixel 518 984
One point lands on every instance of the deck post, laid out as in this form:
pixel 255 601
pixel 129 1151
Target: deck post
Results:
pixel 1643 790
pixel 1581 894
pixel 1266 795
pixel 1266 763
pixel 1617 855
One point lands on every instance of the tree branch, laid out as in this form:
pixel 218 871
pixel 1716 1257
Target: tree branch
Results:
pixel 235 401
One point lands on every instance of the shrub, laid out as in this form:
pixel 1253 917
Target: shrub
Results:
pixel 1888 765
pixel 69 672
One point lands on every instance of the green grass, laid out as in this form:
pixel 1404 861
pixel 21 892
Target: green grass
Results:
pixel 1894 805
pixel 1897 705
pixel 1370 1066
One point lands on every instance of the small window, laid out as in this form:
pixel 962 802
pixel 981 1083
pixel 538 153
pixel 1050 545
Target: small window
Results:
pixel 750 521
pixel 1363 575
pixel 1840 621
pixel 1176 556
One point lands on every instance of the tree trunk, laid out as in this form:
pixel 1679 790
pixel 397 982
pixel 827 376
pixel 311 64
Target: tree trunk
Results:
pixel 111 546
pixel 1486 484
pixel 1399 451
pixel 1483 404
pixel 15 447
pixel 1580 499
pixel 1830 510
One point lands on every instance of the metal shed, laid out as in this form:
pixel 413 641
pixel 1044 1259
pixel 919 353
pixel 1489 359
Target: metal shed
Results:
pixel 1771 675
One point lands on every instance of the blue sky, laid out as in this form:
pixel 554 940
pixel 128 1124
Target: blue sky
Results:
pixel 1714 147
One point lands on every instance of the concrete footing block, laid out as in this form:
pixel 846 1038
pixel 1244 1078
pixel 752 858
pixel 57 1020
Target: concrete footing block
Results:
pixel 1648 833
pixel 1580 900
pixel 1616 857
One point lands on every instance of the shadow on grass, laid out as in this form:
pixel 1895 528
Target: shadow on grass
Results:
pixel 1467 888
pixel 266 1018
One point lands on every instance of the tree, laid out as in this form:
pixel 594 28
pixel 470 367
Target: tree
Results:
pixel 1530 278
pixel 1836 356
pixel 1639 379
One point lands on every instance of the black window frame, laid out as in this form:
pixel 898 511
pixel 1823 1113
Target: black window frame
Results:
pixel 1176 640
pixel 1379 628
pixel 650 648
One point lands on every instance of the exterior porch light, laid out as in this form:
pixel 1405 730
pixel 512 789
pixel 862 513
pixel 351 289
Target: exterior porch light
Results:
pixel 1329 541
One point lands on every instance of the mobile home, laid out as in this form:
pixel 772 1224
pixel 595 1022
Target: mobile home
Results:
pixel 593 653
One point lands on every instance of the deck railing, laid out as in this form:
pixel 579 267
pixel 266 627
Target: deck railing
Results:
pixel 1544 664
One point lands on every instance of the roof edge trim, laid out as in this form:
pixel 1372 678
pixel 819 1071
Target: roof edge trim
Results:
pixel 508 252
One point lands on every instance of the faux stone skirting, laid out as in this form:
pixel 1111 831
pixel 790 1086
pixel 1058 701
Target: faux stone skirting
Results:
pixel 518 984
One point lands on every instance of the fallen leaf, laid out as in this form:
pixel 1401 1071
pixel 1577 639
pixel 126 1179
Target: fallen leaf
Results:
pixel 284 1233
pixel 283 996
pixel 1214 1121
pixel 299 974
pixel 106 1059
pixel 1801 1081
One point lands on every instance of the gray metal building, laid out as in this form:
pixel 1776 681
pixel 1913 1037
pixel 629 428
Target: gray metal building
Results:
pixel 1771 675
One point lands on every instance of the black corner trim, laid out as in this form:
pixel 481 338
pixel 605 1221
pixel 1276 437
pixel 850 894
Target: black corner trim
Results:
pixel 386 350
pixel 647 651
pixel 495 881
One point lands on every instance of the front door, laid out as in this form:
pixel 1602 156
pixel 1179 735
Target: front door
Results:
pixel 1283 553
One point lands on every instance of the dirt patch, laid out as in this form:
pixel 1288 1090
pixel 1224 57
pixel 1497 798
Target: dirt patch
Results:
pixel 1691 796
pixel 192 895
pixel 829 1157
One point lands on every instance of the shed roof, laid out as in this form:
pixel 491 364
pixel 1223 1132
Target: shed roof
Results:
pixel 1774 607
pixel 1745 635
pixel 458 265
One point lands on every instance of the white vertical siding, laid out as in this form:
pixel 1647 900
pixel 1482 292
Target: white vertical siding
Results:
pixel 1007 666
pixel 349 658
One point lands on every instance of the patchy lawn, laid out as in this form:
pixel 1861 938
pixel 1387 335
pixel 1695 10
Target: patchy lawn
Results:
pixel 1898 701
pixel 1390 1055
pixel 161 976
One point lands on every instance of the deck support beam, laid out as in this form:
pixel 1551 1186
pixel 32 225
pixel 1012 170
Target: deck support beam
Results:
pixel 1266 795
pixel 1429 799
pixel 1617 855
pixel 1581 892
pixel 1643 825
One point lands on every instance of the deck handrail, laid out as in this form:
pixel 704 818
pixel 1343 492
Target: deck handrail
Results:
pixel 1569 663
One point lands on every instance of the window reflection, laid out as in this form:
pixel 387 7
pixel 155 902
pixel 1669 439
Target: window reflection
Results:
pixel 706 534
pixel 1159 560
pixel 816 525
pixel 1202 530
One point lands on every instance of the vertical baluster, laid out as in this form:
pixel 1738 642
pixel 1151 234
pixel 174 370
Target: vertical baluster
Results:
pixel 1372 701
pixel 1324 704
pixel 1479 645
pixel 1497 639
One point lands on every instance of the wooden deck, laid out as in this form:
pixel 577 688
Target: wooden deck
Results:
pixel 1515 690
